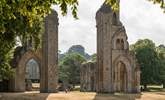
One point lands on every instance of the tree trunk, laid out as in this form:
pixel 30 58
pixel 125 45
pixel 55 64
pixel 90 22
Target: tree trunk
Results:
pixel 163 84
pixel 145 87
pixel 73 85
pixel 65 85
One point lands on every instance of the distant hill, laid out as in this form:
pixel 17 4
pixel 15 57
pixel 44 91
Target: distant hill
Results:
pixel 79 49
pixel 76 49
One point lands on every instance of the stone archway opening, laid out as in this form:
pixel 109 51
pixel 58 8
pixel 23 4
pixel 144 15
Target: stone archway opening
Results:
pixel 23 77
pixel 122 77
pixel 32 75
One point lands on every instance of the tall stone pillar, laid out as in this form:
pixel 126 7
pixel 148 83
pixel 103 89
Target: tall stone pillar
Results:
pixel 49 68
pixel 107 22
pixel 104 51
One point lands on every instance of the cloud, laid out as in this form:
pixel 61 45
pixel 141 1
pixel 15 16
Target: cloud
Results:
pixel 141 19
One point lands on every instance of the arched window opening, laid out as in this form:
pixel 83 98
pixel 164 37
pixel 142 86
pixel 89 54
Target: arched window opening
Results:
pixel 114 19
pixel 32 75
pixel 121 77
pixel 120 44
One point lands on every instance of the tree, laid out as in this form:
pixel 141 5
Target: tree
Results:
pixel 161 55
pixel 94 57
pixel 23 19
pixel 70 68
pixel 148 60
pixel 5 57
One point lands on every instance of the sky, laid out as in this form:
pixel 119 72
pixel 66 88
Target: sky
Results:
pixel 141 19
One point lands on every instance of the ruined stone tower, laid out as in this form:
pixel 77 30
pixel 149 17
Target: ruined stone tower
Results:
pixel 49 68
pixel 117 70
pixel 46 57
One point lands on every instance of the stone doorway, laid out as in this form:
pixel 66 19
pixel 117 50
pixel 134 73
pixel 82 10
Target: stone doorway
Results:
pixel 20 76
pixel 123 77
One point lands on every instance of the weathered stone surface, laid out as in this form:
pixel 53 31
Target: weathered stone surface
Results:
pixel 18 83
pixel 49 72
pixel 28 85
pixel 117 70
pixel 88 77
pixel 47 58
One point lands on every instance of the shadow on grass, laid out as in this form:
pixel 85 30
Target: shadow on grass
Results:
pixel 117 96
pixel 24 96
pixel 154 89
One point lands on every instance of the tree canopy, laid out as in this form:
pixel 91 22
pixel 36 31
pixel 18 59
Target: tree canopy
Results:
pixel 94 57
pixel 161 54
pixel 24 19
pixel 149 61
pixel 70 68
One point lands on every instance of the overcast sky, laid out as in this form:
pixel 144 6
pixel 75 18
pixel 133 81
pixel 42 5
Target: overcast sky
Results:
pixel 141 19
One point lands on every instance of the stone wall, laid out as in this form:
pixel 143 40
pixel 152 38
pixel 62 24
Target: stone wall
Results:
pixel 18 83
pixel 88 77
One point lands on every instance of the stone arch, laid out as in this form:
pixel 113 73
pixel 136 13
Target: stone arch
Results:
pixel 117 72
pixel 117 43
pixel 122 77
pixel 114 19
pixel 20 70
pixel 120 37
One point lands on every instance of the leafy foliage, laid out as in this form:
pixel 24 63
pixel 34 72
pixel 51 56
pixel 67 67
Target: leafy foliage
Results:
pixel 94 57
pixel 161 55
pixel 5 57
pixel 24 19
pixel 146 55
pixel 70 68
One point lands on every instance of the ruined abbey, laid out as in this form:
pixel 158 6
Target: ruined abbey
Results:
pixel 115 70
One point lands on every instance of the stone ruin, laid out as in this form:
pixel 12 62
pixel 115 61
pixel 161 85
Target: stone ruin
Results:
pixel 116 69
pixel 88 77
pixel 47 58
